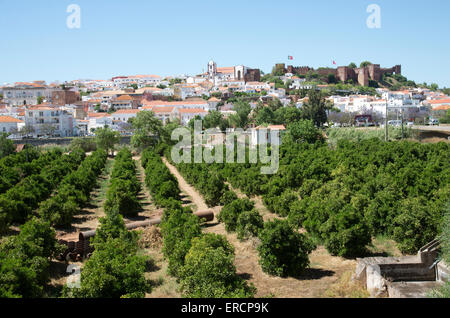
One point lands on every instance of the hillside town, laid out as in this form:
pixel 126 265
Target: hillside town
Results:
pixel 77 108
pixel 222 157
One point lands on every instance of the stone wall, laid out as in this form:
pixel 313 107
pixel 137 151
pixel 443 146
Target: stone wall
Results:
pixel 344 73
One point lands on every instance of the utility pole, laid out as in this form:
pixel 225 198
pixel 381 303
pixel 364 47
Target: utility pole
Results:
pixel 386 137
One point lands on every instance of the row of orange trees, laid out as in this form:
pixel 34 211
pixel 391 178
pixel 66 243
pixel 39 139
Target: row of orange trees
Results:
pixel 74 191
pixel 16 166
pixel 203 263
pixel 124 186
pixel 19 202
pixel 348 194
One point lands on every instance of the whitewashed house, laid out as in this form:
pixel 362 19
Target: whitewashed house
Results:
pixel 47 120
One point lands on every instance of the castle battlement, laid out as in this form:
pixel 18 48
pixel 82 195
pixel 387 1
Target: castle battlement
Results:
pixel 361 75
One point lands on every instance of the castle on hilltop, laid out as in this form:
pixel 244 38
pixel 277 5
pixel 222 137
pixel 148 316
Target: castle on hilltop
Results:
pixel 361 75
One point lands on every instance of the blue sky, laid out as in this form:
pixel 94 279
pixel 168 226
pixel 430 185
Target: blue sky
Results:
pixel 119 37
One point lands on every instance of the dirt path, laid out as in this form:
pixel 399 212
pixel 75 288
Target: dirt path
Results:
pixel 149 211
pixel 196 198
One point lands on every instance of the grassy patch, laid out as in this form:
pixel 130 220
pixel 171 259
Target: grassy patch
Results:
pixel 104 183
pixel 346 288
pixel 384 246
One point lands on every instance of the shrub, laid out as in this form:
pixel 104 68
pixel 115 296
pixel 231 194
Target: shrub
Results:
pixel 230 213
pixel 124 186
pixel 415 226
pixel 162 184
pixel 24 260
pixel 209 271
pixel 249 223
pixel 178 229
pixel 115 268
pixel 283 251
pixel 283 203
pixel 228 197
pixel 87 144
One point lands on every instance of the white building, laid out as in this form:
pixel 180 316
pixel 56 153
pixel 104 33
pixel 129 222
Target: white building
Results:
pixel 139 80
pixel 124 115
pixel 198 103
pixel 26 94
pixel 10 124
pixel 164 113
pixel 48 120
pixel 186 114
pixel 99 120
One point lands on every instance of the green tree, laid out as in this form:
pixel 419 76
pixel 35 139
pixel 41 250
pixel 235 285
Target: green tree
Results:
pixel 434 87
pixel 24 260
pixel 283 251
pixel 6 146
pixel 115 269
pixel 209 270
pixel 415 225
pixel 106 139
pixel 265 116
pixel 316 108
pixel 365 63
pixel 240 119
pixel 352 65
pixel 147 130
pixel 304 131
pixel 230 213
pixel 331 79
pixel 215 119
pixel 178 230
pixel 249 223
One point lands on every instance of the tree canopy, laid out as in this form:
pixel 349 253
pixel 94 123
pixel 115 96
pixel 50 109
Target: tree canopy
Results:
pixel 147 130
pixel 106 139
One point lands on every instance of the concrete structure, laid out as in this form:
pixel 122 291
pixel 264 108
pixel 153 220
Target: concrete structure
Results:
pixel 403 277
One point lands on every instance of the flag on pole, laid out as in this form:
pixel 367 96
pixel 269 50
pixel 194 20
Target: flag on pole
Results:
pixel 290 57
pixel 334 62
